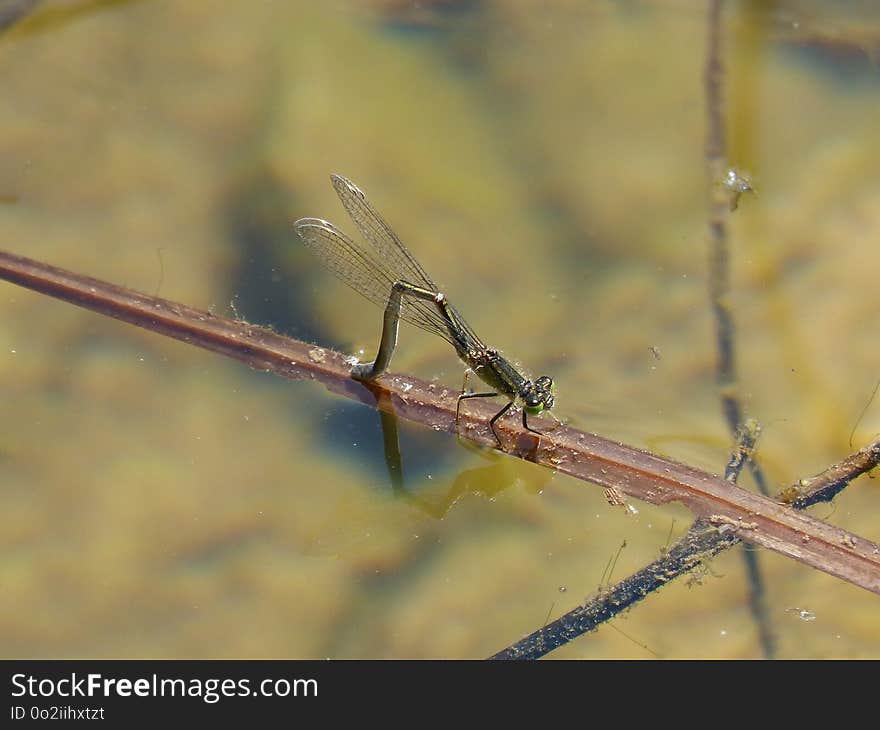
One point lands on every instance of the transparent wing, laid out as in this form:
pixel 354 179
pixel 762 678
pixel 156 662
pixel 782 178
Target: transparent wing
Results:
pixel 397 259
pixel 364 272
pixel 371 270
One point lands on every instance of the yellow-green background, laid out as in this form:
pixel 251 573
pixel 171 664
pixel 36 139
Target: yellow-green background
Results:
pixel 545 163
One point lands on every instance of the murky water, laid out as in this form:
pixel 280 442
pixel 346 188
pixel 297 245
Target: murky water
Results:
pixel 546 165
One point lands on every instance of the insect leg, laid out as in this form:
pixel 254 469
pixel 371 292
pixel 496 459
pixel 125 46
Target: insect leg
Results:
pixel 462 396
pixel 370 370
pixel 495 418
pixel 526 424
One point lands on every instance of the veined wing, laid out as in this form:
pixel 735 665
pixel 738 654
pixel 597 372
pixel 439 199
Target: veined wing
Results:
pixel 390 249
pixel 372 269
pixel 361 270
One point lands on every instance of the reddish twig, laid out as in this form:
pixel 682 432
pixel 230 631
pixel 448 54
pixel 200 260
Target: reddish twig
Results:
pixel 637 473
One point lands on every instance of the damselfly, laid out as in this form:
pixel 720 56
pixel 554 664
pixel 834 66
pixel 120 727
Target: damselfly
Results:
pixel 387 274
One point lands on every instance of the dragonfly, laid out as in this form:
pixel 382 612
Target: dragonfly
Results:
pixel 383 271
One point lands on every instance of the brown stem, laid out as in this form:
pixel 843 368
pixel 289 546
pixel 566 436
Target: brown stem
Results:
pixel 637 473
pixel 823 487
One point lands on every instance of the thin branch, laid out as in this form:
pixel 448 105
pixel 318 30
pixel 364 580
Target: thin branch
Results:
pixel 825 486
pixel 701 542
pixel 635 472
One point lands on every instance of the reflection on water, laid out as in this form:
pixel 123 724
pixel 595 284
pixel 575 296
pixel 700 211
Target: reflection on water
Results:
pixel 547 167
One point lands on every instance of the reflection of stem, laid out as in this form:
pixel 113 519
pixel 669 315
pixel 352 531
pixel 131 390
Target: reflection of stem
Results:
pixel 719 274
pixel 719 295
pixel 719 204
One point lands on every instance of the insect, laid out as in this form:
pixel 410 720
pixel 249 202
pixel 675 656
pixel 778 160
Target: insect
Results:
pixel 386 273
